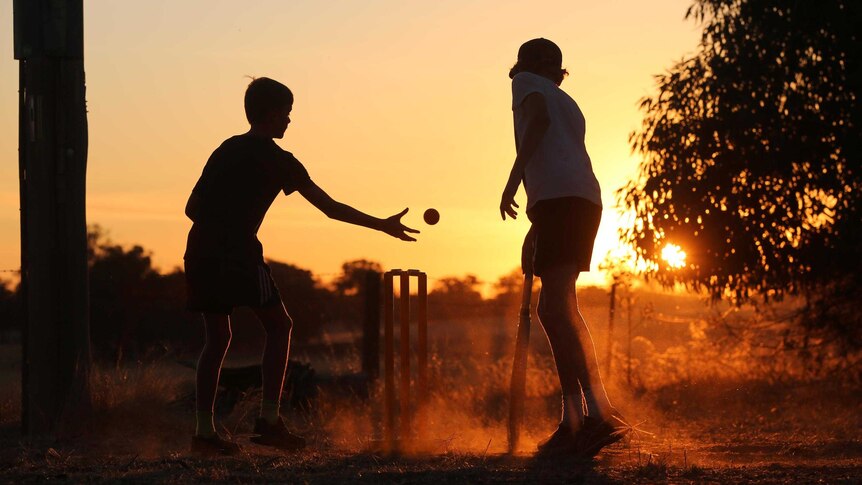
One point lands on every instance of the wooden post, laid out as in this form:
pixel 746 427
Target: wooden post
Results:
pixel 611 328
pixel 389 361
pixel 371 326
pixel 421 353
pixel 629 351
pixel 52 167
pixel 404 326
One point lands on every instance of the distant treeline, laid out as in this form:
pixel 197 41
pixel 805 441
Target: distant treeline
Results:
pixel 137 312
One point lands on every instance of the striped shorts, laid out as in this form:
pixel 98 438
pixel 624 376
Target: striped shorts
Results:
pixel 218 286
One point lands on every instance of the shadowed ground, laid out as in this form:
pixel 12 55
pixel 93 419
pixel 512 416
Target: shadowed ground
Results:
pixel 731 444
pixel 260 466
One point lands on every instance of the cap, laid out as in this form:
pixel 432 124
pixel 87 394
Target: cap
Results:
pixel 540 50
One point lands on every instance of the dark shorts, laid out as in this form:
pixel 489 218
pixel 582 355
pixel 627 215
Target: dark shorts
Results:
pixel 565 230
pixel 217 286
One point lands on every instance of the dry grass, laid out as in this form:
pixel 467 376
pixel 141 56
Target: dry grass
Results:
pixel 695 421
pixel 139 409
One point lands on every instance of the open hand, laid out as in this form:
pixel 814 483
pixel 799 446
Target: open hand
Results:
pixel 507 202
pixel 392 225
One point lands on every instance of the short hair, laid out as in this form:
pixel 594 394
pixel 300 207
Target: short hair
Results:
pixel 264 95
pixel 540 56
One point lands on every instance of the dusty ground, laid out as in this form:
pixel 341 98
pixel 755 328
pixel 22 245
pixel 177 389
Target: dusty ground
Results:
pixel 765 433
pixel 261 466
pixel 688 430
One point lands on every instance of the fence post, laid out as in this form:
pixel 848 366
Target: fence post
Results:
pixel 611 313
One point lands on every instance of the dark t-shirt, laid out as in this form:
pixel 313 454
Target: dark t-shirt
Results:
pixel 239 182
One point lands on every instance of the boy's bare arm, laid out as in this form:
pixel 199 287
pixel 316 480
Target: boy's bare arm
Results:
pixel 342 212
pixel 538 121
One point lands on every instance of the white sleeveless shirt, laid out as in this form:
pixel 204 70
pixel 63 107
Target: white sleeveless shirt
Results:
pixel 561 166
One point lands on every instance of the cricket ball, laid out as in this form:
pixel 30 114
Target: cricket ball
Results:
pixel 431 216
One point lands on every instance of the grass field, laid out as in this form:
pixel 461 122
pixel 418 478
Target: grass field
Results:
pixel 698 425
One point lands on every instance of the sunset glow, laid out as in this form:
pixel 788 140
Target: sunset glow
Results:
pixel 430 242
pixel 398 104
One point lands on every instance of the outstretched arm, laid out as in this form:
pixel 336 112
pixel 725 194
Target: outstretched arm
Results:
pixel 345 213
pixel 538 121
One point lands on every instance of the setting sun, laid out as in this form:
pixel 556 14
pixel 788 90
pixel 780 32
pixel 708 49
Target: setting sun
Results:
pixel 674 255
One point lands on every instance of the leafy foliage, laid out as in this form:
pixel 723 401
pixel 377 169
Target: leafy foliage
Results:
pixel 453 298
pixel 304 297
pixel 752 153
pixel 133 308
pixel 353 275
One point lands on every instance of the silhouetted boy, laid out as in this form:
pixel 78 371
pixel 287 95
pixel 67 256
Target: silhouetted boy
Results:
pixel 564 205
pixel 224 263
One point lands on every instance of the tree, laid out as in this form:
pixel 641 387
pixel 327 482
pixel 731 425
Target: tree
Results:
pixel 353 275
pixel 752 159
pixel 350 298
pixel 454 298
pixel 506 302
pixel 508 287
pixel 122 283
pixel 134 308
pixel 306 301
pixel 138 311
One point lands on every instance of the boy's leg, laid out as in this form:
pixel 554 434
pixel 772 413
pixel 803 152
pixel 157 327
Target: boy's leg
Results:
pixel 218 337
pixel 278 325
pixel 269 426
pixel 572 345
pixel 557 285
pixel 595 395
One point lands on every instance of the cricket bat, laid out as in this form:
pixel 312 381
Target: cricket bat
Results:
pixel 519 367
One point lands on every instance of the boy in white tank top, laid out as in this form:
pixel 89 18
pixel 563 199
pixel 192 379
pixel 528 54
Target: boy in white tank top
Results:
pixel 564 205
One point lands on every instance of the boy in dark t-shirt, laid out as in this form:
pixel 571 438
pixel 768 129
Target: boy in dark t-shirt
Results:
pixel 224 263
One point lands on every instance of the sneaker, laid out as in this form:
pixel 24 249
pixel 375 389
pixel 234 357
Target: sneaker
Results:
pixel 597 434
pixel 276 435
pixel 214 446
pixel 561 440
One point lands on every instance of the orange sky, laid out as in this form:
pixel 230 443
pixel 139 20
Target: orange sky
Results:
pixel 398 104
